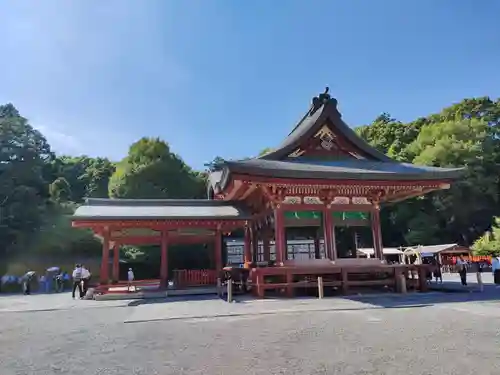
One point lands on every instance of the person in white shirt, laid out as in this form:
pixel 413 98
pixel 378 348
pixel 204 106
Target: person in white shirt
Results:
pixel 495 269
pixel 462 270
pixel 130 278
pixel 77 280
pixel 85 279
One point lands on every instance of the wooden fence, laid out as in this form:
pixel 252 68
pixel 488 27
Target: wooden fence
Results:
pixel 187 278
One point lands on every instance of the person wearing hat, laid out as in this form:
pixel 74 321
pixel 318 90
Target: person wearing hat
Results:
pixel 130 278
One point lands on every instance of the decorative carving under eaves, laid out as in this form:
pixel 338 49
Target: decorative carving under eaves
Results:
pixel 326 143
pixel 360 200
pixel 312 200
pixel 341 200
pixel 292 200
pixel 298 152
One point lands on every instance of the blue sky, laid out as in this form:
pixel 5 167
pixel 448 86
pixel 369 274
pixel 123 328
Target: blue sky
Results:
pixel 231 77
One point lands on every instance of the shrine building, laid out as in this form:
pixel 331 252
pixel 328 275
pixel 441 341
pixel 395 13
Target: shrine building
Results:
pixel 322 176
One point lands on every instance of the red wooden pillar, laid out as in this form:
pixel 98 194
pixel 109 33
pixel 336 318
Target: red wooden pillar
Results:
pixel 247 256
pixel 164 259
pixel 255 244
pixel 377 233
pixel 116 262
pixel 266 245
pixel 279 235
pixel 104 276
pixel 218 250
pixel 329 234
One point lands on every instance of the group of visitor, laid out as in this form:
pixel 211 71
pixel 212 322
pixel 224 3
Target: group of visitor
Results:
pixel 57 282
pixel 45 283
pixel 462 266
pixel 81 277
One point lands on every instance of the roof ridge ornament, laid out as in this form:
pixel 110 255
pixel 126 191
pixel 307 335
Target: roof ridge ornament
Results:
pixel 322 99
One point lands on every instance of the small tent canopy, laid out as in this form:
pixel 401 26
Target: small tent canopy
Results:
pixel 428 251
pixel 436 249
pixel 386 251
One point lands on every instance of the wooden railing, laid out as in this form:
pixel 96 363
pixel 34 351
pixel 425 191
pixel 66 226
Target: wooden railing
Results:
pixel 287 279
pixel 187 278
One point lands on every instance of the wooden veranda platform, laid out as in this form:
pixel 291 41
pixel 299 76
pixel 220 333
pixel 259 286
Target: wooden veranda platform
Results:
pixel 344 274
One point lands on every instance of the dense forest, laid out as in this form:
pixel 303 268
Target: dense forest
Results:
pixel 39 190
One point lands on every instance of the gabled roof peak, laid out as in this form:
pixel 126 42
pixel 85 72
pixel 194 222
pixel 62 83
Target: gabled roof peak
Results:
pixel 323 132
pixel 321 100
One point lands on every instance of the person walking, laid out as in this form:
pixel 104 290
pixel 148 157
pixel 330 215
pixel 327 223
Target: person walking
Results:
pixel 479 276
pixel 27 284
pixel 130 277
pixel 462 270
pixel 85 280
pixel 438 275
pixel 495 269
pixel 77 280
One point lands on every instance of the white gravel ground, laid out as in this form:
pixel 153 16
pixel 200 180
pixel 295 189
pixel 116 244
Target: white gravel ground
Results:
pixel 456 333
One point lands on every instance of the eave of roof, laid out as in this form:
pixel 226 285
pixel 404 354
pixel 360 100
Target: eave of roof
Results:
pixel 342 170
pixel 159 209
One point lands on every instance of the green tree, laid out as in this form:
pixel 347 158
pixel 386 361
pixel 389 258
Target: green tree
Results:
pixel 489 242
pixel 151 170
pixel 87 177
pixel 215 164
pixel 24 157
pixel 267 150
pixel 59 190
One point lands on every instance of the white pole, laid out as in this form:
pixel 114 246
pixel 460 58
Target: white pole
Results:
pixel 320 287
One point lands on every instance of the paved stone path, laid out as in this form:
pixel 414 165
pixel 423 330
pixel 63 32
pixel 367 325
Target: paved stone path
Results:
pixel 432 333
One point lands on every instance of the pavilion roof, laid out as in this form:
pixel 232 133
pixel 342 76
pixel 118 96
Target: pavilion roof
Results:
pixel 364 163
pixel 159 209
pixel 348 169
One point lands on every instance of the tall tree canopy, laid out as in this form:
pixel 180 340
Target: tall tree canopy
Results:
pixel 24 157
pixel 464 134
pixel 151 170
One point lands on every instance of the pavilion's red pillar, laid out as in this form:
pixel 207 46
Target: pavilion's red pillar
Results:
pixel 255 244
pixel 218 250
pixel 266 245
pixel 164 259
pixel 329 234
pixel 377 233
pixel 104 276
pixel 116 262
pixel 247 255
pixel 279 235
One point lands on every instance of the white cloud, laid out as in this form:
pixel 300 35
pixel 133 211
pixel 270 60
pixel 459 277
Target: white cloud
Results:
pixel 61 142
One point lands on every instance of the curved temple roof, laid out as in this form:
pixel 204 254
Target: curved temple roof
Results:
pixel 159 209
pixel 374 166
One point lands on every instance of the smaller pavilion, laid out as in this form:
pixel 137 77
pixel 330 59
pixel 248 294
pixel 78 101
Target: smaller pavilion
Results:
pixel 160 222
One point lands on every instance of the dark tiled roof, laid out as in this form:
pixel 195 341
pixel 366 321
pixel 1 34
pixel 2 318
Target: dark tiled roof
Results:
pixel 312 122
pixel 377 166
pixel 159 209
pixel 351 169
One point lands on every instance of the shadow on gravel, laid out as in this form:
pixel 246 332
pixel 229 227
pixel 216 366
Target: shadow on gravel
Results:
pixel 264 313
pixel 429 299
pixel 150 301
